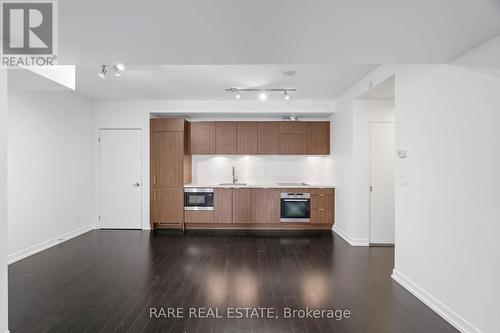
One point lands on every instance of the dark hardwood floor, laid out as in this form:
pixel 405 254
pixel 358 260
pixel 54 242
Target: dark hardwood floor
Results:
pixel 107 281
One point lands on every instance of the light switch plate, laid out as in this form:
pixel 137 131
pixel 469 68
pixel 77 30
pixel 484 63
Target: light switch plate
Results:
pixel 404 180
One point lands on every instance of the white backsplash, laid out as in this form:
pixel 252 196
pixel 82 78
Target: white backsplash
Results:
pixel 209 169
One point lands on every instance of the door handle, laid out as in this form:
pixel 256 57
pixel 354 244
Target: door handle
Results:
pixel 136 184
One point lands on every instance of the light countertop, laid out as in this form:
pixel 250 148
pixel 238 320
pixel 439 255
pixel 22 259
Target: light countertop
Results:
pixel 258 185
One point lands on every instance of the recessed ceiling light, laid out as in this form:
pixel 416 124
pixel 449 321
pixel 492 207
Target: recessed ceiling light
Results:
pixel 290 72
pixel 287 97
pixel 237 95
pixel 262 95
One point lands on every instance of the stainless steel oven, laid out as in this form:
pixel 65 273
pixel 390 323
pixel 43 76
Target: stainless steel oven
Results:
pixel 295 207
pixel 196 198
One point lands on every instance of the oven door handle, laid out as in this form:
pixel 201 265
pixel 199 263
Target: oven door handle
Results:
pixel 302 200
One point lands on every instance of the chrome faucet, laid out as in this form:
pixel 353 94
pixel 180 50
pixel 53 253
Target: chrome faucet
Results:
pixel 234 176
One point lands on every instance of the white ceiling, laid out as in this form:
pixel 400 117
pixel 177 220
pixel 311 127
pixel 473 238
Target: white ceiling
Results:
pixel 209 82
pixel 152 32
pixel 383 90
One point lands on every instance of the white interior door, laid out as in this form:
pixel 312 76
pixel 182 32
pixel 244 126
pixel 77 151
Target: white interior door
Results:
pixel 382 206
pixel 120 181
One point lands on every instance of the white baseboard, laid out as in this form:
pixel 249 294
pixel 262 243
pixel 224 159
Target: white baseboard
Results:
pixel 349 239
pixel 21 254
pixel 449 315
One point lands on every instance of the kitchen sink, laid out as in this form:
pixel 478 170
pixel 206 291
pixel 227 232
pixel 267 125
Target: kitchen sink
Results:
pixel 235 184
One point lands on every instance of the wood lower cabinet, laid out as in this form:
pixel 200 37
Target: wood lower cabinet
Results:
pixel 246 140
pixel 243 206
pixel 266 205
pixel 223 205
pixel 322 206
pixel 225 137
pixel 203 138
pixel 167 205
pixel 198 216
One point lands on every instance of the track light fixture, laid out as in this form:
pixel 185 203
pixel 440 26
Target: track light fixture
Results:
pixel 263 93
pixel 117 70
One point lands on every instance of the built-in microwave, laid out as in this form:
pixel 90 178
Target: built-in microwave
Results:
pixel 198 198
pixel 295 207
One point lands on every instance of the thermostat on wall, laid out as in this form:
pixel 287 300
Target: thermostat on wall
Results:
pixel 402 153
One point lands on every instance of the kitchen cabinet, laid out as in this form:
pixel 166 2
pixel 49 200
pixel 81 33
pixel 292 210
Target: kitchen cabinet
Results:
pixel 293 127
pixel 242 206
pixel 203 138
pixel 225 137
pixel 247 136
pixel 223 205
pixel 167 158
pixel 259 137
pixel 292 144
pixel 322 206
pixel 318 138
pixel 170 168
pixel 167 125
pixel 198 216
pixel 292 138
pixel 266 205
pixel 268 138
pixel 167 205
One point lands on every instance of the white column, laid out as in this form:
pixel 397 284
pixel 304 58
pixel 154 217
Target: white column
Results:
pixel 3 202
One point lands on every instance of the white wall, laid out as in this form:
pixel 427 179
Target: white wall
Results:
pixel 447 220
pixel 3 202
pixel 261 169
pixel 136 114
pixel 364 112
pixel 50 169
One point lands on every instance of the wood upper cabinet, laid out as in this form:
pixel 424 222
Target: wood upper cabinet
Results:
pixel 258 137
pixel 292 138
pixel 268 138
pixel 292 144
pixel 266 205
pixel 247 137
pixel 167 156
pixel 203 138
pixel 318 138
pixel 167 124
pixel 322 206
pixel 167 205
pixel 223 205
pixel 293 127
pixel 242 206
pixel 225 137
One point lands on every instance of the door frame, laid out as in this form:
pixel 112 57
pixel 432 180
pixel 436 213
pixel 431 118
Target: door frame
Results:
pixel 370 183
pixel 141 132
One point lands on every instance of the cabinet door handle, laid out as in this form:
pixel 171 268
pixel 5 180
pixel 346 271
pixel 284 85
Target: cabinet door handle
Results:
pixel 154 195
pixel 154 179
pixel 321 195
pixel 321 209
